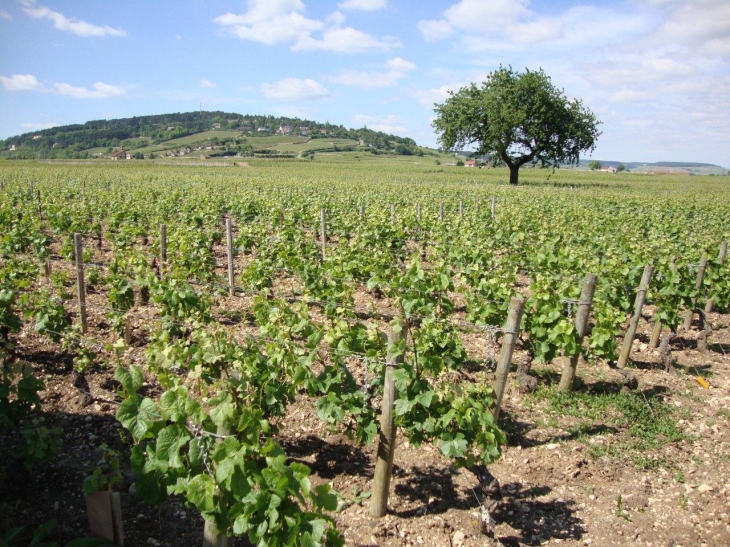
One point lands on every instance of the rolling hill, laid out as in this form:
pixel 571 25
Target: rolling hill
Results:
pixel 210 134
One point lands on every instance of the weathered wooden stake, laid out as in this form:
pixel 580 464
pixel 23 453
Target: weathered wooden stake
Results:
pixel 392 214
pixel 698 285
pixel 461 208
pixel 511 332
pixel 212 537
pixel 441 211
pixel 163 243
pixel 80 283
pixel 709 304
pixel 362 212
pixel 386 440
pixel 229 252
pixel 623 358
pixel 656 333
pixel 581 327
pixel 418 210
pixel 40 206
pixel 323 232
pixel 117 521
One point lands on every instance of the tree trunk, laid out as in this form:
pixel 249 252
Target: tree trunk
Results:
pixel 514 171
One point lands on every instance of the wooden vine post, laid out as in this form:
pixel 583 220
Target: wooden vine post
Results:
pixel 623 358
pixel 461 208
pixel 392 214
pixel 698 285
pixel 229 252
pixel 323 231
pixel 386 440
pixel 709 304
pixel 494 207
pixel 212 537
pixel 656 332
pixel 362 212
pixel 80 283
pixel 163 246
pixel 511 332
pixel 418 211
pixel 441 211
pixel 581 327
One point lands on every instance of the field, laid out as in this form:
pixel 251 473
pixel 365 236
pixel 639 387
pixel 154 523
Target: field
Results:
pixel 246 385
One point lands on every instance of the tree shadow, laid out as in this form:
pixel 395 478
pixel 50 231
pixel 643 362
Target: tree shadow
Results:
pixel 435 489
pixel 517 432
pixel 330 459
pixel 50 361
pixel 536 521
pixel 719 348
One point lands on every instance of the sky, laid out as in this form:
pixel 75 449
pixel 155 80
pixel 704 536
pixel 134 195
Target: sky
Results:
pixel 655 72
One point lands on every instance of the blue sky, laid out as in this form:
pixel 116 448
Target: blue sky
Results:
pixel 655 72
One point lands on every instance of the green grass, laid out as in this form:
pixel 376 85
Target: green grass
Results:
pixel 641 423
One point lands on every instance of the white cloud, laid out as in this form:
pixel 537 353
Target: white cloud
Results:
pixel 428 97
pixel 535 31
pixel 397 70
pixel 703 26
pixel 335 18
pixel 5 15
pixel 100 91
pixel 390 124
pixel 346 40
pixel 61 22
pixel 282 21
pixel 363 5
pixel 291 27
pixel 21 82
pixel 483 17
pixel 433 30
pixel 206 84
pixel 295 89
pixel 398 63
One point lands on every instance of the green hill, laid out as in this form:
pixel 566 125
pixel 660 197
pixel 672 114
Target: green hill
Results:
pixel 213 134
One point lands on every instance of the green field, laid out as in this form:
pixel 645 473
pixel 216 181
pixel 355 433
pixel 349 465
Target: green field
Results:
pixel 290 292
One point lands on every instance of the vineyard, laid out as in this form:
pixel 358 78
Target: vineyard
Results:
pixel 276 354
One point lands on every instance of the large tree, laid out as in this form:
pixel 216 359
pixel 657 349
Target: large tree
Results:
pixel 517 118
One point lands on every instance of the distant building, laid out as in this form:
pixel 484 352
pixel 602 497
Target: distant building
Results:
pixel 128 156
pixel 263 130
pixel 119 155
pixel 36 137
pixel 12 148
pixel 216 126
pixel 469 163
pixel 284 129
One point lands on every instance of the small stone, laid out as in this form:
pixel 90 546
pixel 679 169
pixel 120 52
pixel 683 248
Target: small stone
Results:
pixel 56 505
pixel 458 538
pixel 551 446
pixel 153 542
pixel 704 488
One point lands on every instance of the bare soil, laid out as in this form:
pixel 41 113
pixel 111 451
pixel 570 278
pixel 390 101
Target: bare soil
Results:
pixel 558 484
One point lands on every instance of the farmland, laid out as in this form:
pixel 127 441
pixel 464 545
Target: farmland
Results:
pixel 271 359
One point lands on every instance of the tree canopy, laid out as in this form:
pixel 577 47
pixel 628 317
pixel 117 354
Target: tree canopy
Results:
pixel 517 118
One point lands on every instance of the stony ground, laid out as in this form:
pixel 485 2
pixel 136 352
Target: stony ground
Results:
pixel 564 479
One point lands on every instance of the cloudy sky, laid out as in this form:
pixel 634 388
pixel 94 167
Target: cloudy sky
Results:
pixel 655 72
